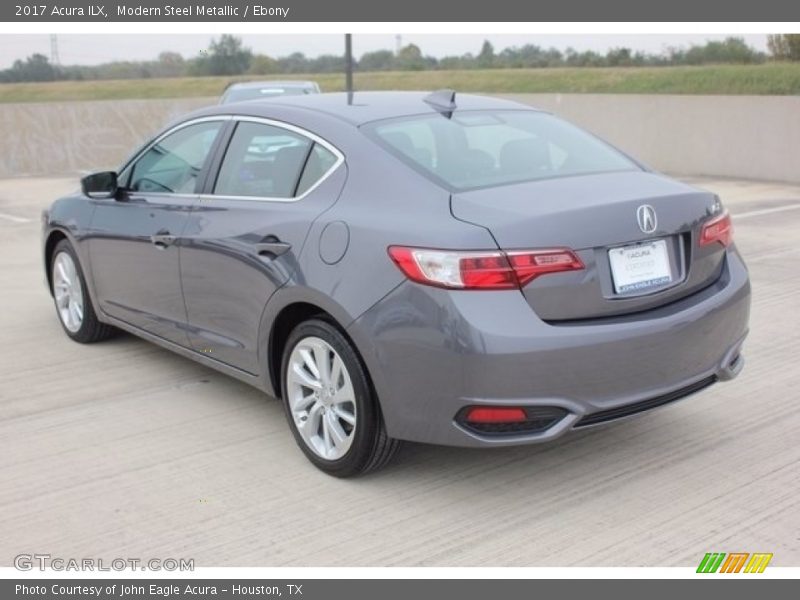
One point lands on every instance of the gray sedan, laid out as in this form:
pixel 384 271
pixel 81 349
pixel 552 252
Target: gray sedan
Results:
pixel 436 268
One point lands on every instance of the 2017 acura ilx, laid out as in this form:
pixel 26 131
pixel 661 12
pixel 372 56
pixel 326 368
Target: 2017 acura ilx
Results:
pixel 400 266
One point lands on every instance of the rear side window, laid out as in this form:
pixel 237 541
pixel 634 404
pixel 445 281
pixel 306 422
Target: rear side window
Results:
pixel 478 149
pixel 173 163
pixel 271 162
pixel 262 160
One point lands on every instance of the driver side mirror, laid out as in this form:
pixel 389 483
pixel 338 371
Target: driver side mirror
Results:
pixel 100 185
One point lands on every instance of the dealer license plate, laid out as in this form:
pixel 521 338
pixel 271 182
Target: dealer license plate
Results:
pixel 640 267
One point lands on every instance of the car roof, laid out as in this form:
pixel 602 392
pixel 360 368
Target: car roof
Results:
pixel 243 85
pixel 362 107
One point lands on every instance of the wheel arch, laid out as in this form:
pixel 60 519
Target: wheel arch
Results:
pixel 282 315
pixel 53 238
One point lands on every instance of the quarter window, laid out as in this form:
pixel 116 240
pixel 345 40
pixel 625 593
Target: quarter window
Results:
pixel 320 161
pixel 173 164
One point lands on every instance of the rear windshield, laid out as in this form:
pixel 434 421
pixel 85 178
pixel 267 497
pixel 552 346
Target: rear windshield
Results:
pixel 478 149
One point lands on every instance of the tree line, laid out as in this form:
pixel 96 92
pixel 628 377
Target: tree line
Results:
pixel 228 56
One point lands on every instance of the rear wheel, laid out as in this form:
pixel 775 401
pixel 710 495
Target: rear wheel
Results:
pixel 73 304
pixel 331 406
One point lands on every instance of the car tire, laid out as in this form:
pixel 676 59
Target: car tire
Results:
pixel 330 403
pixel 71 297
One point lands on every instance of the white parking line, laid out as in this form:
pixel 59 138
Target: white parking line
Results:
pixel 765 211
pixel 14 219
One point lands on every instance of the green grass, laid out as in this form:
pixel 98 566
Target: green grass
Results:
pixel 767 79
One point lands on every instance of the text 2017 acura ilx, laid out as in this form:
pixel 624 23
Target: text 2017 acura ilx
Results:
pixel 437 268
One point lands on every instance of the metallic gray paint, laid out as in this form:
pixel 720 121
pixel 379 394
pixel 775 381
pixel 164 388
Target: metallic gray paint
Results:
pixel 227 277
pixel 465 348
pixel 135 280
pixel 563 341
pixel 590 214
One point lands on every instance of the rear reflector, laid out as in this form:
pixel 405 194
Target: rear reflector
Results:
pixel 719 229
pixel 481 270
pixel 491 414
pixel 509 420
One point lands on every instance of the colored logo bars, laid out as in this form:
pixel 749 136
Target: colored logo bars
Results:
pixel 734 562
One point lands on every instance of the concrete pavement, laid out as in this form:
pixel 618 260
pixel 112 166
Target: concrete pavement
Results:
pixel 122 449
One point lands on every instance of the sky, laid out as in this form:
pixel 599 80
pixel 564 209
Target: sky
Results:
pixel 92 49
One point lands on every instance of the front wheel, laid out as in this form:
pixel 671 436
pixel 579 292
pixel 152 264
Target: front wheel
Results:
pixel 330 404
pixel 73 304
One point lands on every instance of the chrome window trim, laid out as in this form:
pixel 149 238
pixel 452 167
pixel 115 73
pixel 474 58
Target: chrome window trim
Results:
pixel 164 194
pixel 294 129
pixel 263 120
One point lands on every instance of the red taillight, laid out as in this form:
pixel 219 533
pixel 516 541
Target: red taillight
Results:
pixel 529 265
pixel 489 270
pixel 719 229
pixel 491 414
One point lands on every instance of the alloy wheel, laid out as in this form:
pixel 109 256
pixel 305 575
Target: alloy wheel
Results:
pixel 68 292
pixel 321 398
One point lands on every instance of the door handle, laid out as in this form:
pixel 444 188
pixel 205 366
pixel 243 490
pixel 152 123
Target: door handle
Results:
pixel 163 239
pixel 272 249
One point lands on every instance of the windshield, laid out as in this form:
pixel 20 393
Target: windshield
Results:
pixel 490 148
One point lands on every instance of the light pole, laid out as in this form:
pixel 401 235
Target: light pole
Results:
pixel 348 62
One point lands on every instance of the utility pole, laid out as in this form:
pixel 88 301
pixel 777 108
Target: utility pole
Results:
pixel 54 58
pixel 398 44
pixel 348 62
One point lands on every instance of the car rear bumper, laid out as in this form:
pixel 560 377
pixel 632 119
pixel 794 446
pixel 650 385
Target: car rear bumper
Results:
pixel 433 352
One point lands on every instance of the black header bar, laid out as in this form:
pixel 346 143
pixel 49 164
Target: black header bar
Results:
pixel 404 11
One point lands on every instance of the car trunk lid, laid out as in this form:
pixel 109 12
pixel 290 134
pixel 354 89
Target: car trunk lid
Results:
pixel 593 215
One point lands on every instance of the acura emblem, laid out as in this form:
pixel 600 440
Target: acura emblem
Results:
pixel 646 216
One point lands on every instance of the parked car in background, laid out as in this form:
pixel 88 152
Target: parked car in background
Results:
pixel 253 90
pixel 399 266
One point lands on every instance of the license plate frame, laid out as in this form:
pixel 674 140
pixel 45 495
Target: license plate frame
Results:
pixel 641 267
